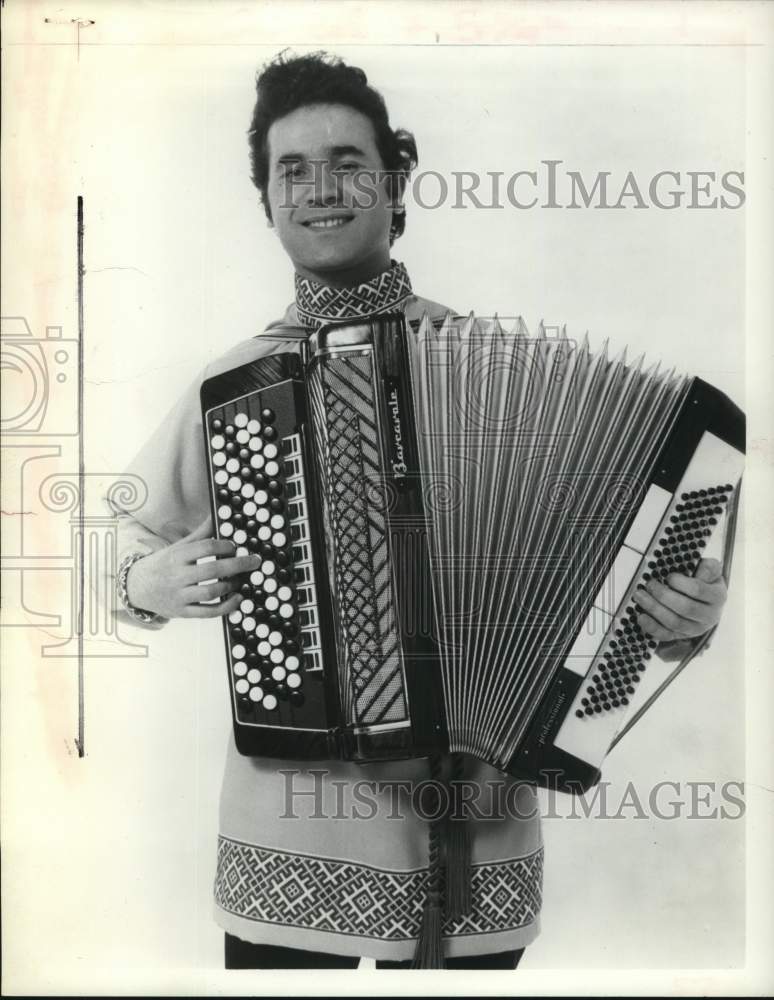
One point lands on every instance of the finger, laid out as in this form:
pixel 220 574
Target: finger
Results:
pixel 709 570
pixel 664 615
pixel 212 610
pixel 683 606
pixel 203 530
pixel 207 591
pixel 696 589
pixel 655 630
pixel 209 547
pixel 224 569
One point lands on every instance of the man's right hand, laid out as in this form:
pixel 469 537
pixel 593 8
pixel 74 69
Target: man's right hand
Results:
pixel 169 582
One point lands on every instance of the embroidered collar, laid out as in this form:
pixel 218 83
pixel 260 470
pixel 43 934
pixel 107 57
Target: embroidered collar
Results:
pixel 318 304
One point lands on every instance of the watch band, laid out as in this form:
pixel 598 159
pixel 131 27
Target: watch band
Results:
pixel 121 578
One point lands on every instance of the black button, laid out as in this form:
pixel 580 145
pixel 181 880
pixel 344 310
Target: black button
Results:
pixel 216 424
pixel 268 416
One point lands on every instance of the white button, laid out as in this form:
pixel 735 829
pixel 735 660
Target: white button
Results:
pixel 261 498
pixel 248 490
pixel 280 540
pixel 275 638
pixel 268 567
pixel 256 694
pixel 278 521
pixel 270 585
pixel 254 675
pixel 276 656
pixel 278 673
pixel 240 536
pixel 242 687
pixel 249 509
pixel 234 484
pixel 264 648
pixel 294 681
pixel 272 468
pixel 240 668
pixel 256 461
pixel 264 533
pixel 221 477
pixel 218 442
pixel 226 529
pixel 219 458
pixel 292 663
pixel 242 437
pixel 247 606
pixel 224 512
pixel 235 617
pixel 255 444
pixel 256 578
pixel 284 593
pixel 254 426
pixel 232 465
pixel 286 611
pixel 240 420
pixel 248 624
pixel 270 451
pixel 262 516
pixel 270 702
pixel 272 603
pixel 242 551
pixel 262 631
pixel 238 652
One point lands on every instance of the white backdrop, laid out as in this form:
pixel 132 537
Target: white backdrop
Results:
pixel 109 860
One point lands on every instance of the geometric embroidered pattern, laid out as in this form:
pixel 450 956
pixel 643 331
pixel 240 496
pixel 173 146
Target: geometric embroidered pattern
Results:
pixel 297 890
pixel 318 304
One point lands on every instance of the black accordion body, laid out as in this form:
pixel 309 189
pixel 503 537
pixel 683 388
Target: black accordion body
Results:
pixel 453 521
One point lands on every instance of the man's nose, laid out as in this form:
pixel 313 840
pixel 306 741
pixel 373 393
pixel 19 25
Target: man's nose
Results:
pixel 326 187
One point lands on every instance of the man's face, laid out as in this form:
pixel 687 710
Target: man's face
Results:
pixel 328 195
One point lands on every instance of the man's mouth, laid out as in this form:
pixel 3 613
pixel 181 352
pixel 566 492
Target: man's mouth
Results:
pixel 335 222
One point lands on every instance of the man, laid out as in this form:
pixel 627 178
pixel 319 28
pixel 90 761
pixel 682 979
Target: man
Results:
pixel 316 886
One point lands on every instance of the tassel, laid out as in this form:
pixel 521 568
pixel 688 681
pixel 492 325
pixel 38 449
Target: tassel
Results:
pixel 458 892
pixel 458 870
pixel 429 950
pixel 429 953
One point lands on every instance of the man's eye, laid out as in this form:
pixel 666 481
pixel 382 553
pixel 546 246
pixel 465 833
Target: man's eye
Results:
pixel 347 166
pixel 294 170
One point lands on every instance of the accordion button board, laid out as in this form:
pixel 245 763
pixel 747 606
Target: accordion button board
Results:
pixel 259 498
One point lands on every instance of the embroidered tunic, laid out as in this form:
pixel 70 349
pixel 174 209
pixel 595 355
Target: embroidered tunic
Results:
pixel 330 855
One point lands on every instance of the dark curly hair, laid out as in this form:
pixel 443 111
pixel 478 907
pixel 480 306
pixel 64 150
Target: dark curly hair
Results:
pixel 291 82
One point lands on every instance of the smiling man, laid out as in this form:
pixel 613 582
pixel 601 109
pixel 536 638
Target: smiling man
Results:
pixel 318 866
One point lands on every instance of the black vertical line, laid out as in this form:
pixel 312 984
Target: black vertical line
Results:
pixel 80 555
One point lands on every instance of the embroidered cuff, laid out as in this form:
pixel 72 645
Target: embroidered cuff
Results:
pixel 122 576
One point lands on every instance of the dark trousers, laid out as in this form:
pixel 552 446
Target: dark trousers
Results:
pixel 244 955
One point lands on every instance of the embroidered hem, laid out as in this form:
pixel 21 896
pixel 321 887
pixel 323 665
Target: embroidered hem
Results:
pixel 323 904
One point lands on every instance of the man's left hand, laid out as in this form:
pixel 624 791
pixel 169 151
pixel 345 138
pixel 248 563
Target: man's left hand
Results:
pixel 682 607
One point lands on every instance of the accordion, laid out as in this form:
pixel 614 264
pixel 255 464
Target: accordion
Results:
pixel 453 520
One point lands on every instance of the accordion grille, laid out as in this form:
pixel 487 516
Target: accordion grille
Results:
pixel 371 670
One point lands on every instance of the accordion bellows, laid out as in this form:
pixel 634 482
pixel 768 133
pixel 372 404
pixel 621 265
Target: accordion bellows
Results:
pixel 462 514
